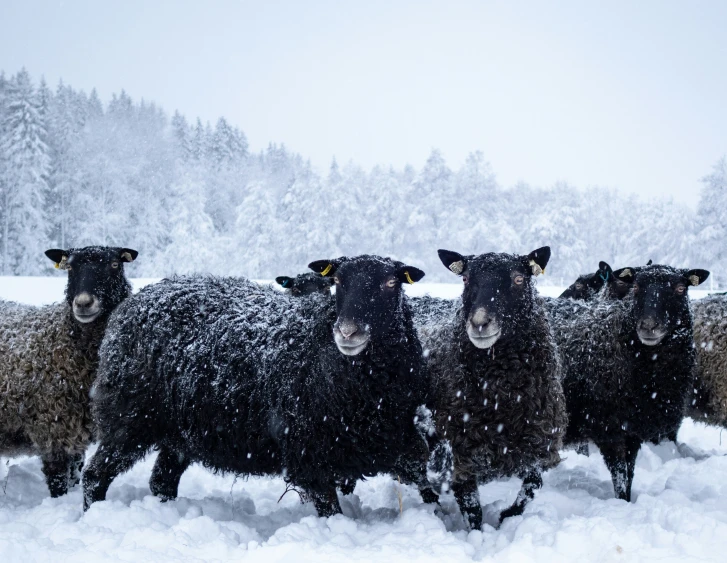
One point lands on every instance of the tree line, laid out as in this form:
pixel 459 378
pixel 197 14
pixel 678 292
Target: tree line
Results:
pixel 193 197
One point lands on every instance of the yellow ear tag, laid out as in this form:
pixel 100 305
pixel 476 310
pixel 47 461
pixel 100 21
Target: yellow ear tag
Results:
pixel 694 280
pixel 328 269
pixel 58 265
pixel 408 277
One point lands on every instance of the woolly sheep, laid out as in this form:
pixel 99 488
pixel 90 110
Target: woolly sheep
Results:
pixel 497 400
pixel 48 361
pixel 248 380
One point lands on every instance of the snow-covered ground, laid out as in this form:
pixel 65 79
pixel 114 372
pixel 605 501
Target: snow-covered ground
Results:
pixel 679 512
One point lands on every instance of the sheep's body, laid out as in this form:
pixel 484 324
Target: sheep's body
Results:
pixel 502 410
pixel 247 380
pixel 620 392
pixel 710 339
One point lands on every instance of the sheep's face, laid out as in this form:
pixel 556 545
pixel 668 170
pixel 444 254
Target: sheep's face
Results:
pixel 661 301
pixel 498 291
pixel 368 298
pixel 306 284
pixel 587 286
pixel 96 282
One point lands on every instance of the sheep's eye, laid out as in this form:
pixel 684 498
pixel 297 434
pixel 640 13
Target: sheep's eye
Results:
pixel 518 280
pixel 578 285
pixel 620 283
pixel 466 279
pixel 114 265
pixel 636 288
pixel 336 280
pixel 391 282
pixel 680 289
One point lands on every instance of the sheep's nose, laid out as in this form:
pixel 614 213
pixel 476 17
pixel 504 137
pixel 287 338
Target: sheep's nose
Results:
pixel 649 323
pixel 84 300
pixel 347 329
pixel 480 319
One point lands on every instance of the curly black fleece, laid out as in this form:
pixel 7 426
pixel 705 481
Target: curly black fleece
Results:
pixel 244 379
pixel 619 392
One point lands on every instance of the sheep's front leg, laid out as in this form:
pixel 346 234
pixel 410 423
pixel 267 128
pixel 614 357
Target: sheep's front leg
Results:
pixel 74 469
pixel 326 502
pixel 468 499
pixel 620 458
pixel 532 481
pixel 168 470
pixel 56 468
pixel 108 462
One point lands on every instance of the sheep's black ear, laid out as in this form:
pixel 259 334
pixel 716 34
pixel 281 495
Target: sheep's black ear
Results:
pixel 325 268
pixel 624 275
pixel 696 277
pixel 285 281
pixel 409 274
pixel 650 262
pixel 538 260
pixel 604 271
pixel 452 261
pixel 58 256
pixel 128 254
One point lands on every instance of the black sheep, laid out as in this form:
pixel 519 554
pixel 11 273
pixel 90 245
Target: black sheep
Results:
pixel 305 284
pixel 628 366
pixel 497 398
pixel 589 286
pixel 248 380
pixel 48 361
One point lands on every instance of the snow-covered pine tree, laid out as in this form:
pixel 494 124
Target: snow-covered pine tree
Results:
pixel 711 237
pixel 25 168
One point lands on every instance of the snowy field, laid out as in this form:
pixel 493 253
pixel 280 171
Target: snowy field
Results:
pixel 679 512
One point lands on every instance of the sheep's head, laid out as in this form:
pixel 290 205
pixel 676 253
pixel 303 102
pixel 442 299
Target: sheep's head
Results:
pixel 587 286
pixel 368 298
pixel 661 301
pixel 96 281
pixel 306 284
pixel 498 291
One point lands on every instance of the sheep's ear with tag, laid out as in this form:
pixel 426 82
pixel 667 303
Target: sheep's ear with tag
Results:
pixel 128 254
pixel 624 275
pixel 58 256
pixel 453 261
pixel 285 281
pixel 696 277
pixel 409 274
pixel 538 260
pixel 326 268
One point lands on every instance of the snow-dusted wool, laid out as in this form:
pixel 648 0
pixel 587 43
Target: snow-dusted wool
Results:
pixel 497 398
pixel 604 283
pixel 710 339
pixel 48 361
pixel 245 379
pixel 628 366
pixel 305 284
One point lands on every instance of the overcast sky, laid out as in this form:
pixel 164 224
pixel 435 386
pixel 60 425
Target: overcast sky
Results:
pixel 619 93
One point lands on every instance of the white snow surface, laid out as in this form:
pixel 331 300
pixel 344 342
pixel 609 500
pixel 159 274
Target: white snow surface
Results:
pixel 679 512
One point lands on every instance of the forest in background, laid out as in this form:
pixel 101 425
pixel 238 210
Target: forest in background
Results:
pixel 191 197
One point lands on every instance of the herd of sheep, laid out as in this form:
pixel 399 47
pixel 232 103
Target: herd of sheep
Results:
pixel 325 389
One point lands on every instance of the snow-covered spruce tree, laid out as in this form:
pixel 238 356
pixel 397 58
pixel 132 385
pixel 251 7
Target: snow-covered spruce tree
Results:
pixel 712 215
pixel 25 169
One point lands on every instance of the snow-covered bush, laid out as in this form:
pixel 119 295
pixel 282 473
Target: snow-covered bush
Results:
pixel 48 361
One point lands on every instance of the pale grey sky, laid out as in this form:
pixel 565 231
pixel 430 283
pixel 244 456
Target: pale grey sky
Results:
pixel 619 93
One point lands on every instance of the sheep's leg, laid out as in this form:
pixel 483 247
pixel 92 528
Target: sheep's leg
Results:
pixel 532 481
pixel 468 499
pixel 75 468
pixel 326 502
pixel 168 470
pixel 348 486
pixel 583 449
pixel 620 459
pixel 105 465
pixel 56 468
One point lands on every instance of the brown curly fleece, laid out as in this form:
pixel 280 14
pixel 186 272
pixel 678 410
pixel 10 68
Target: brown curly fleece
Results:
pixel 710 340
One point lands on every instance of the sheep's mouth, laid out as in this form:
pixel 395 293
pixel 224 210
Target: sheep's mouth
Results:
pixel 351 346
pixel 86 316
pixel 481 339
pixel 650 338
